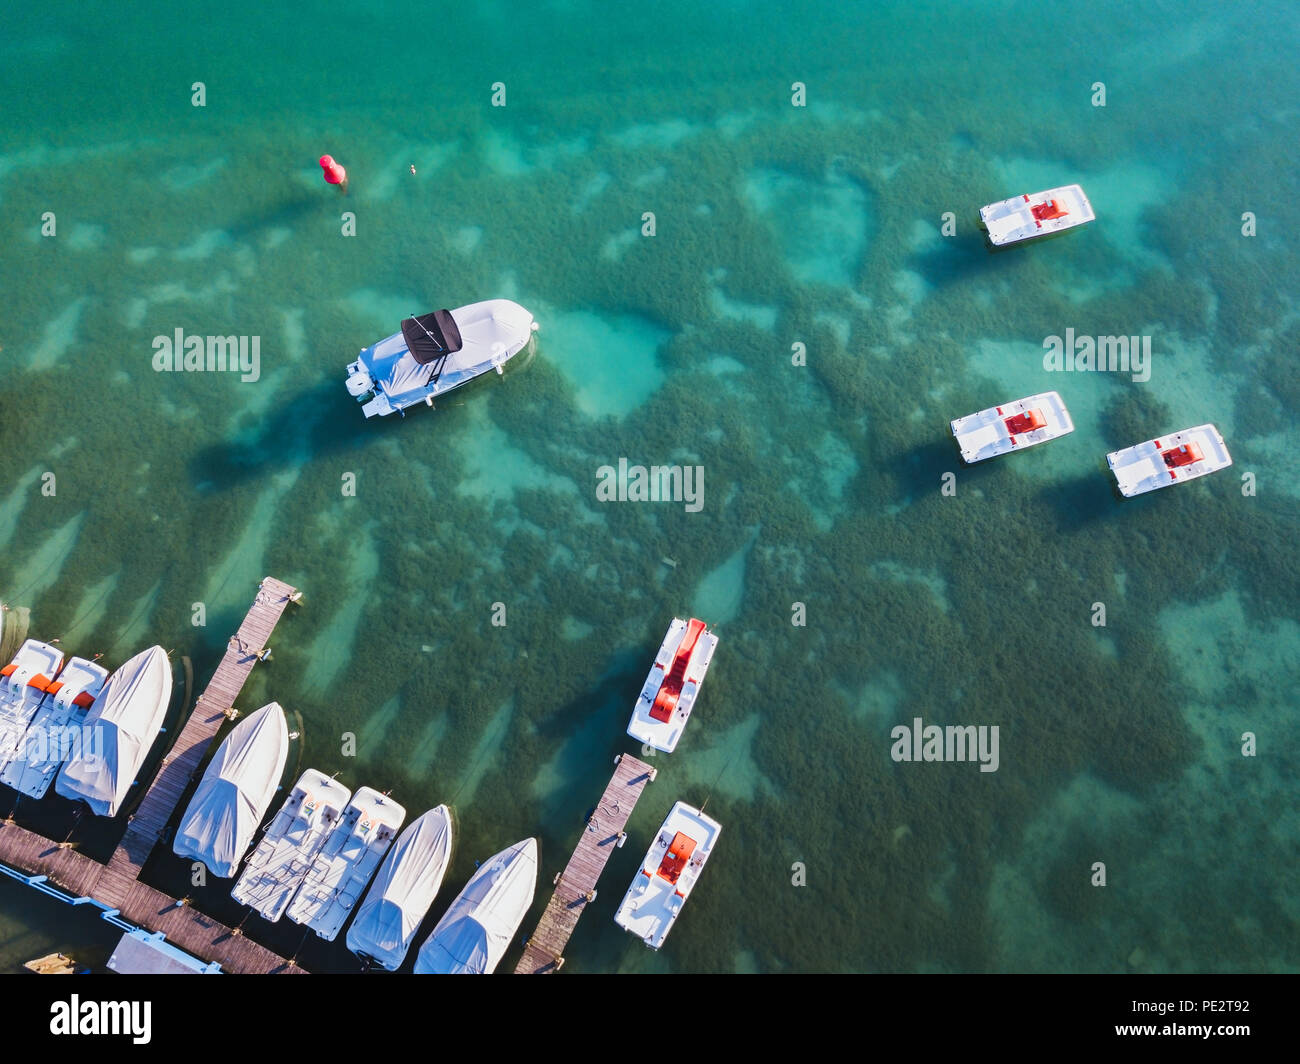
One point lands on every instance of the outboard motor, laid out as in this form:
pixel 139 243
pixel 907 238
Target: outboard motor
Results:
pixel 359 383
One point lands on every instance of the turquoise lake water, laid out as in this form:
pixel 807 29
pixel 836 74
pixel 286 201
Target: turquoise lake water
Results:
pixel 775 225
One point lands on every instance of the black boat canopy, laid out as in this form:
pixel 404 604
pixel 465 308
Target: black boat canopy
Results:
pixel 431 336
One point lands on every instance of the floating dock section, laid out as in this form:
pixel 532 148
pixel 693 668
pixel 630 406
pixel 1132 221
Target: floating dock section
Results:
pixel 575 887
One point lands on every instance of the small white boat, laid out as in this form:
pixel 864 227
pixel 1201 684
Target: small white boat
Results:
pixel 235 792
pixel 56 730
pixel 404 888
pixel 283 858
pixel 670 870
pixel 23 686
pixel 121 727
pixel 668 695
pixel 475 932
pixel 1169 460
pixel 436 353
pixel 1012 426
pixel 1030 216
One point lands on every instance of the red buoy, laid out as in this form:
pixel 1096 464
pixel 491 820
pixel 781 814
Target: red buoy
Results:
pixel 334 172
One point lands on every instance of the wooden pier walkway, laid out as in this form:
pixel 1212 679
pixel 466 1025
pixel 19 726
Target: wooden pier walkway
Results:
pixel 182 760
pixel 576 885
pixel 117 884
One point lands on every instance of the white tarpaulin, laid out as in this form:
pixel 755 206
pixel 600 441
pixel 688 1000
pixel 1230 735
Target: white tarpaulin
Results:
pixel 119 730
pixel 476 931
pixel 403 890
pixel 235 792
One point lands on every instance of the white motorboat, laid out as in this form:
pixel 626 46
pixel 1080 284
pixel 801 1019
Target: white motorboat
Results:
pixel 235 792
pixel 436 353
pixel 404 888
pixel 24 683
pixel 668 695
pixel 1030 216
pixel 475 932
pixel 346 862
pixel 283 858
pixel 1012 426
pixel 670 870
pixel 55 732
pixel 120 728
pixel 1169 460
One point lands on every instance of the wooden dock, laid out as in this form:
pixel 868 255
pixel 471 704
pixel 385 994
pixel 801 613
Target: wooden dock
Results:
pixel 182 760
pixel 575 887
pixel 117 884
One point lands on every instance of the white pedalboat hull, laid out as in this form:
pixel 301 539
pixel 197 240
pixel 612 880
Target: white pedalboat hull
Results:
pixel 671 868
pixel 285 855
pixel 56 730
pixel 646 726
pixel 989 433
pixel 385 377
pixel 24 683
pixel 1014 220
pixel 344 864
pixel 1143 467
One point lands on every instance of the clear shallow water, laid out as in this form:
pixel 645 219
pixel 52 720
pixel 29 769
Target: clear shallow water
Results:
pixel 774 225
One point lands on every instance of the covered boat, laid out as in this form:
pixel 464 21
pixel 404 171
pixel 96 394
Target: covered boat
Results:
pixel 55 732
pixel 1011 426
pixel 235 792
pixel 436 353
pixel 346 862
pixel 668 695
pixel 283 858
pixel 670 870
pixel 399 898
pixel 1168 460
pixel 119 729
pixel 475 932
pixel 24 684
pixel 1029 216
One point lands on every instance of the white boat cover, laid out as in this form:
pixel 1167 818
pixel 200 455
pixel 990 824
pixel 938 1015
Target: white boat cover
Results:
pixel 403 890
pixel 235 792
pixel 475 932
pixel 122 726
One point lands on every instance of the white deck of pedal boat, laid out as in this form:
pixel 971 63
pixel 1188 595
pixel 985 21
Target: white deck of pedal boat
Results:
pixel 343 866
pixel 21 692
pixel 653 902
pixel 283 858
pixel 664 735
pixel 1012 221
pixel 1141 468
pixel 55 731
pixel 985 434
